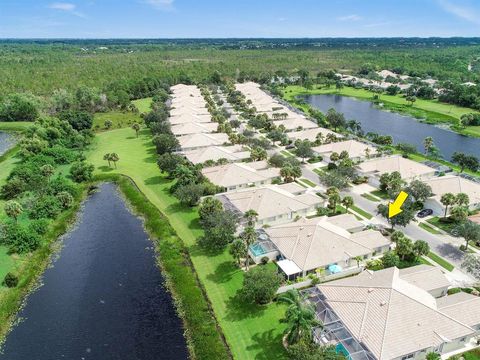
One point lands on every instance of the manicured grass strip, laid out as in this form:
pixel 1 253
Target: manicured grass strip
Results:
pixel 447 227
pixel 440 261
pixel 369 197
pixel 143 105
pixel 428 228
pixel 362 212
pixel 301 183
pixel 308 182
pixel 318 171
pixel 287 153
pixel 14 126
pixel 380 194
pixel 204 337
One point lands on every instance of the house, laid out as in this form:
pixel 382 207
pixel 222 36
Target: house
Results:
pixel 193 128
pixel 233 153
pixel 295 123
pixel 455 185
pixel 356 149
pixel 198 141
pixel 320 242
pixel 428 278
pixel 236 176
pixel 380 315
pixel 187 118
pixel 274 204
pixel 408 169
pixel 310 134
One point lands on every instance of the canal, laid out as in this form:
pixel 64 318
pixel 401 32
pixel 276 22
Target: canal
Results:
pixel 103 297
pixel 403 129
pixel 6 142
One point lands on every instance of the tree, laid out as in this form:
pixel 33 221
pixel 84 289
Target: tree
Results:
pixel 136 127
pixel 462 199
pixel 290 172
pixel 428 144
pixel 106 157
pixel 333 198
pixel 299 316
pixel 208 206
pixel 79 120
pixel 13 209
pixel 260 285
pixel 447 199
pixel 189 194
pixel 402 219
pixel 81 171
pixel 235 123
pixel 65 199
pixel 165 143
pixel 169 162
pixel 220 228
pixel 114 158
pixel 47 170
pixel 334 178
pixel 347 202
pixel 420 248
pixel 433 356
pixel 459 214
pixel 276 135
pixel 251 216
pixel 304 149
pixel 238 250
pixel 19 107
pixel 469 231
pixel 390 259
pixel 419 190
pixel 108 124
pixel 248 236
pixel 471 263
pixel 335 119
pixel 257 153
pixel 411 99
pixel 465 161
pixel 404 247
pixel 358 259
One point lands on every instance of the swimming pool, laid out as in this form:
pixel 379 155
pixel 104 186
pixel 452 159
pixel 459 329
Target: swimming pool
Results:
pixel 257 249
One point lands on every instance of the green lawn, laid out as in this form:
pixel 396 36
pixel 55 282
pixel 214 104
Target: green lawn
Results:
pixel 286 153
pixel 380 194
pixel 431 110
pixel 370 197
pixel 448 227
pixel 252 332
pixel 143 105
pixel 471 355
pixel 308 182
pixel 362 212
pixel 440 261
pixel 428 228
pixel 14 126
pixel 119 119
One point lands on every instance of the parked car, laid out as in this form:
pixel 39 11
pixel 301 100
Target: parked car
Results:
pixel 425 213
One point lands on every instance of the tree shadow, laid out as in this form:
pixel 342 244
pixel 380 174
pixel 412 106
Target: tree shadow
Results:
pixel 223 273
pixel 269 345
pixel 195 224
pixel 130 137
pixel 150 159
pixel 156 180
pixel 105 168
pixel 238 309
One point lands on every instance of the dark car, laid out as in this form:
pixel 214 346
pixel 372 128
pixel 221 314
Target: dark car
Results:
pixel 425 213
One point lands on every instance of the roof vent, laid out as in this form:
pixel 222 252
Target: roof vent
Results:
pixel 301 227
pixel 383 303
pixel 370 290
pixel 309 234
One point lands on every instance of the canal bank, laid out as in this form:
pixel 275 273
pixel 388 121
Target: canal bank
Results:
pixel 103 296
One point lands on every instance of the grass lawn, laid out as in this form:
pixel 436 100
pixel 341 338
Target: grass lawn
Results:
pixel 118 118
pixel 308 182
pixel 370 197
pixel 286 153
pixel 440 261
pixel 471 355
pixel 252 332
pixel 428 228
pixel 14 126
pixel 362 212
pixel 143 105
pixel 380 194
pixel 431 110
pixel 448 227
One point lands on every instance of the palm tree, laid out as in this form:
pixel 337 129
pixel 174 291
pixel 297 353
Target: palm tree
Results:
pixel 13 209
pixel 106 157
pixel 238 250
pixel 136 127
pixel 251 216
pixel 462 199
pixel 114 157
pixel 358 259
pixel 428 144
pixel 249 236
pixel 347 202
pixel 300 317
pixel 447 200
pixel 469 231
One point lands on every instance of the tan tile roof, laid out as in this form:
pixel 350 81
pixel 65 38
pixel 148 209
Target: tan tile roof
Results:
pixel 390 316
pixel 407 168
pixel 317 242
pixel 455 185
pixel 194 128
pixel 310 134
pixel 292 188
pixel 202 140
pixel 353 147
pixel 270 201
pixel 236 174
pixel 296 122
pixel 462 307
pixel 425 277
pixel 215 153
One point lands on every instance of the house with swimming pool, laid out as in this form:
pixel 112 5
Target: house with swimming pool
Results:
pixel 381 315
pixel 330 244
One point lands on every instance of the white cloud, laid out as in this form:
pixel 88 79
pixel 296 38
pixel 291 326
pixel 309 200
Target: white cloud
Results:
pixel 352 17
pixel 462 12
pixel 67 7
pixel 160 4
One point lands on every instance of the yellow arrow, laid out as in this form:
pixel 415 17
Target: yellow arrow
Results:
pixel 395 207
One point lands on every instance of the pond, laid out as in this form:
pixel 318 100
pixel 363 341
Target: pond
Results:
pixel 103 297
pixel 403 129
pixel 6 142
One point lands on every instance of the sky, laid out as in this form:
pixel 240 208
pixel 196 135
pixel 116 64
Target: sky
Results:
pixel 238 18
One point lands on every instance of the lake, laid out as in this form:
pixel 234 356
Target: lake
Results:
pixel 103 297
pixel 6 142
pixel 403 129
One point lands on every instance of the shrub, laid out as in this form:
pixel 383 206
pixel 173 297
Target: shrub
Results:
pixel 46 206
pixel 260 285
pixel 264 260
pixel 19 238
pixel 39 226
pixel 10 280
pixel 81 171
